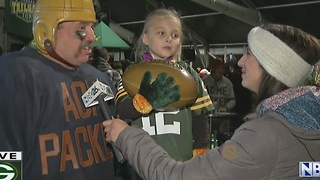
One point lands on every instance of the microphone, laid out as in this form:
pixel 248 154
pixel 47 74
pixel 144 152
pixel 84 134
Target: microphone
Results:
pixel 98 93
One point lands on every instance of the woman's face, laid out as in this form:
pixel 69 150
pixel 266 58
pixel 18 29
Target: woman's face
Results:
pixel 251 71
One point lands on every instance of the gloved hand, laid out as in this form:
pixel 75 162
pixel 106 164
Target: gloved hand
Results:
pixel 199 152
pixel 157 94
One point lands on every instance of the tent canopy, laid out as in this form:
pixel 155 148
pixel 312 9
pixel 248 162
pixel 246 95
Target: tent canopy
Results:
pixel 107 38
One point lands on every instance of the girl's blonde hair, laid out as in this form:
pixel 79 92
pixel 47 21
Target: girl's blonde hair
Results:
pixel 141 48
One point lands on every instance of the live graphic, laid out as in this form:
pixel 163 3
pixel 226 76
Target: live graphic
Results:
pixel 10 165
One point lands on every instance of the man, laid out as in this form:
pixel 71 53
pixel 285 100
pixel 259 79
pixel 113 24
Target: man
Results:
pixel 100 60
pixel 220 88
pixel 41 111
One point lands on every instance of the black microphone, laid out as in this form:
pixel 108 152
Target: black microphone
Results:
pixel 98 93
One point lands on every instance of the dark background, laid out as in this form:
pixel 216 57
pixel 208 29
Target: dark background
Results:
pixel 214 26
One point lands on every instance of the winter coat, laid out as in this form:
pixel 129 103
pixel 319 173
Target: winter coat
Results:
pixel 283 131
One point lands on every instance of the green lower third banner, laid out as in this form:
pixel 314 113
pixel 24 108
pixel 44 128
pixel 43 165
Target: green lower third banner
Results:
pixel 18 17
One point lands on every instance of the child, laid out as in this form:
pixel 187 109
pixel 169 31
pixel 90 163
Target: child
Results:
pixel 182 133
pixel 283 131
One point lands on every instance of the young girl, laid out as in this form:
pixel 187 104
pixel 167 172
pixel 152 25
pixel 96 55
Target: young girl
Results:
pixel 178 132
pixel 283 131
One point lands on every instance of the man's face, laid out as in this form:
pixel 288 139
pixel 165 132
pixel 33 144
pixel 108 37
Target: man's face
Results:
pixel 217 72
pixel 70 45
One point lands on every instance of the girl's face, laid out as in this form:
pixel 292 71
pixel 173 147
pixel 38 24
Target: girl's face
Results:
pixel 251 71
pixel 163 37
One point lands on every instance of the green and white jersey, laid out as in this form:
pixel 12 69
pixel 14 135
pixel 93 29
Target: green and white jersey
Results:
pixel 172 130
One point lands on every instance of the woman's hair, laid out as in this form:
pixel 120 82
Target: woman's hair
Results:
pixel 140 47
pixel 304 44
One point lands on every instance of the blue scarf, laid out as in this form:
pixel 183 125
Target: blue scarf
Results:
pixel 300 106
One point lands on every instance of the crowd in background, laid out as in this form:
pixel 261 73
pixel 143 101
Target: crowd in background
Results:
pixel 221 80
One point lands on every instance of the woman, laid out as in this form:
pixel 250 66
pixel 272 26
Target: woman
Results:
pixel 283 130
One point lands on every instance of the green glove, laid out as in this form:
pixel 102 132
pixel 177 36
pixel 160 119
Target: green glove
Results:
pixel 161 91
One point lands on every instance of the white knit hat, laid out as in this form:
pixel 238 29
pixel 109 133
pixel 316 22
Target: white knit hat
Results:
pixel 277 58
